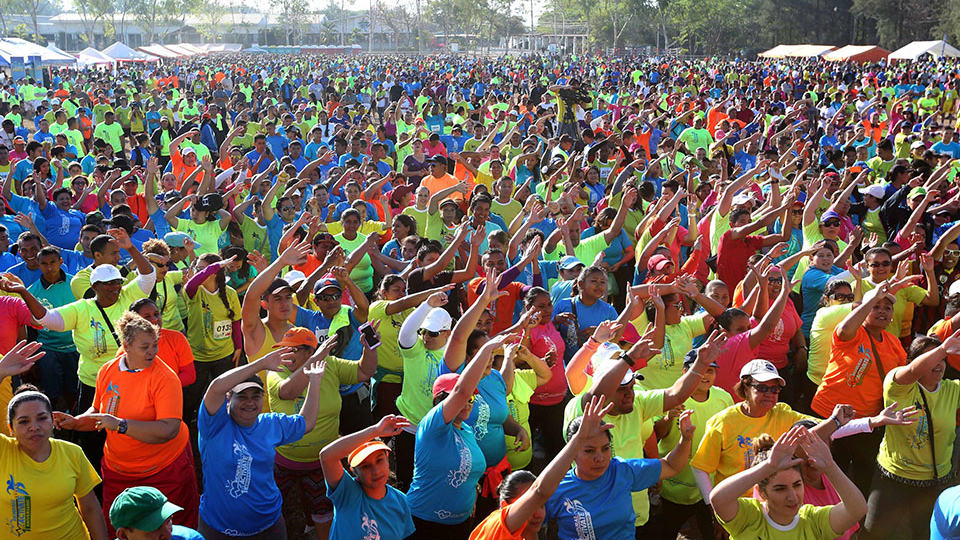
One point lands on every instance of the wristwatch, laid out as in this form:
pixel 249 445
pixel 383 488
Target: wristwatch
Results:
pixel 122 428
pixel 626 359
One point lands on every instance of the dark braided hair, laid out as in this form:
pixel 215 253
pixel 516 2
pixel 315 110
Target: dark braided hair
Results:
pixel 221 275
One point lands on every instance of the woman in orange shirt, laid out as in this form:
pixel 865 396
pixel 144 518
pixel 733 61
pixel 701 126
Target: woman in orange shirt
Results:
pixel 139 402
pixel 173 348
pixel 862 353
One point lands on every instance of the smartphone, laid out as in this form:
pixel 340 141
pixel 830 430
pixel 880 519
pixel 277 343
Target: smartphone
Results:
pixel 369 335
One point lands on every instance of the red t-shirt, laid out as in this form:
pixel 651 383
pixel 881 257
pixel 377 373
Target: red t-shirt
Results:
pixel 503 307
pixel 732 257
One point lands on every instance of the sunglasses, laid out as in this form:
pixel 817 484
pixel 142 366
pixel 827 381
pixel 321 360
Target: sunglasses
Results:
pixel 764 389
pixel 161 264
pixel 328 297
pixel 797 212
pixel 775 280
pixel 286 208
pixel 954 252
pixel 831 223
pixel 843 297
pixel 431 333
pixel 882 263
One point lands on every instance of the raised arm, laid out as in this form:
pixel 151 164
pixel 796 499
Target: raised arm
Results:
pixel 455 353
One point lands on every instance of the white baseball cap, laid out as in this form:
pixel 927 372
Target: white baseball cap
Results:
pixel 761 371
pixel 437 320
pixel 104 273
pixel 874 190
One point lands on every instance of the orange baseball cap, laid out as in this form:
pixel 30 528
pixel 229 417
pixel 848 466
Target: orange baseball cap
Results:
pixel 364 451
pixel 298 336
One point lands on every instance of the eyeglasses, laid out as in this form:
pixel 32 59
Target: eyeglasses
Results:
pixel 328 297
pixel 775 280
pixel 831 223
pixel 881 263
pixel 764 389
pixel 843 297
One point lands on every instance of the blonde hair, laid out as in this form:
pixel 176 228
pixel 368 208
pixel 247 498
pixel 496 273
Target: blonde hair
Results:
pixel 131 324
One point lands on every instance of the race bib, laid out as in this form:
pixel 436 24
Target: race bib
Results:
pixel 222 329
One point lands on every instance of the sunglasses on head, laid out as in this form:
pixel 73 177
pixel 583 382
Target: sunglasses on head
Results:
pixel 765 389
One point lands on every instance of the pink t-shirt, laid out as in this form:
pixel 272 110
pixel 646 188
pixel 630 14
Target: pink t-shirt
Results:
pixel 543 339
pixel 826 497
pixel 14 313
pixel 736 355
pixel 777 344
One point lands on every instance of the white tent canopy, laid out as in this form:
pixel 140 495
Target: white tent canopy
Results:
pixel 915 50
pixel 93 57
pixel 159 51
pixel 24 48
pixel 63 53
pixel 122 53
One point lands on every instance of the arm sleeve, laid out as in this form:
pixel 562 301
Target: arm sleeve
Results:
pixel 53 321
pixel 859 425
pixel 704 484
pixel 237 335
pixel 147 281
pixel 194 282
pixel 408 331
pixel 506 278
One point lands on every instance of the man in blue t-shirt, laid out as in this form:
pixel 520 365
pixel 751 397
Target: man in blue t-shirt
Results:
pixel 947 145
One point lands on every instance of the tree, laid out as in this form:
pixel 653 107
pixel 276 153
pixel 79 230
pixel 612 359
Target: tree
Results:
pixel 292 14
pixel 211 14
pixel 93 16
pixel 902 21
pixel 159 18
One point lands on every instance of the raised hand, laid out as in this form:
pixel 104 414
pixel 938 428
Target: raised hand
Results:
pixel 711 348
pixel 655 297
pixel 890 416
pixel 363 338
pixel 20 358
pixel 315 371
pixel 686 424
pixel 258 261
pixel 490 291
pixel 296 253
pixel 592 423
pixel 818 453
pixel 391 425
pixel 278 359
pixel 605 331
pixel 843 413
pixel 782 454
pixel 121 236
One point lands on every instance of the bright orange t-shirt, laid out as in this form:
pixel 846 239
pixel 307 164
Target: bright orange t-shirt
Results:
pixel 494 528
pixel 434 184
pixel 174 351
pixel 151 394
pixel 181 171
pixel 852 376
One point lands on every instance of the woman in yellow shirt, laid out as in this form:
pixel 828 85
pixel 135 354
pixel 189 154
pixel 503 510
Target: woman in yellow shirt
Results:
pixel 779 511
pixel 49 483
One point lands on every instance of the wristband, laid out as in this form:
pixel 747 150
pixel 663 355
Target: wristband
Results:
pixel 836 421
pixel 627 360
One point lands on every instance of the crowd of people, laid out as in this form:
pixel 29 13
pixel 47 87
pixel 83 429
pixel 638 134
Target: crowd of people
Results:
pixel 454 297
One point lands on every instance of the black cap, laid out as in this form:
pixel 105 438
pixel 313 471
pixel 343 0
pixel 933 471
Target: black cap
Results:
pixel 690 359
pixel 277 286
pixel 121 221
pixel 94 218
pixel 211 202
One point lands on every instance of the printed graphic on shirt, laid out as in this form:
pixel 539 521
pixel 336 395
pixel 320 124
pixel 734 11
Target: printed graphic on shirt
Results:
pixel 457 477
pixel 483 419
pixel 433 371
pixel 99 338
pixel 369 527
pixel 582 520
pixel 666 353
pixel 918 439
pixel 19 520
pixel 747 444
pixel 855 378
pixel 241 480
pixel 113 399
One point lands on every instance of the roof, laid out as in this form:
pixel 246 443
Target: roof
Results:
pixel 159 51
pixel 122 53
pixel 48 57
pixel 912 51
pixel 797 51
pixel 857 53
pixel 91 56
pixel 180 50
